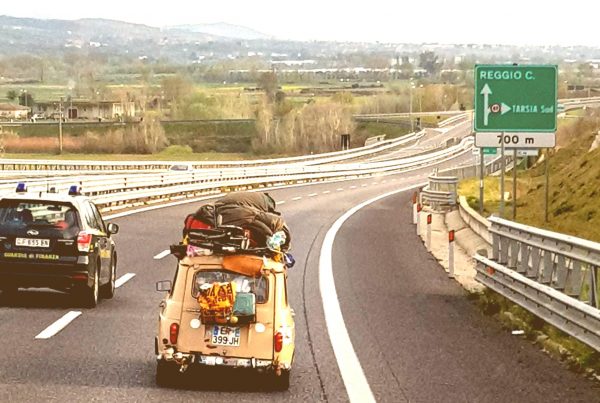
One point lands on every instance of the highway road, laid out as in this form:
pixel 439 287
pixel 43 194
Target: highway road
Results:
pixel 416 335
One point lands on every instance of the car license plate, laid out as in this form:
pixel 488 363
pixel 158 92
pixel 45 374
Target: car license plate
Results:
pixel 33 243
pixel 225 336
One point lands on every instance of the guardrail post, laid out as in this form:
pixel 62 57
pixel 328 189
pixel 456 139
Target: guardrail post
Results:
pixel 451 253
pixel 414 207
pixel 419 208
pixel 428 238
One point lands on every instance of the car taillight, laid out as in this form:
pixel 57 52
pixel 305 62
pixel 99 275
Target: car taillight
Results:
pixel 174 333
pixel 278 341
pixel 84 240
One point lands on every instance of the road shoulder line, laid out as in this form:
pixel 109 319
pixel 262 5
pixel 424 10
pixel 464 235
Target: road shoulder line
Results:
pixel 355 381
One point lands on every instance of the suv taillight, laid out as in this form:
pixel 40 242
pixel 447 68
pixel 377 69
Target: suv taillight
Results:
pixel 84 240
pixel 173 333
pixel 278 341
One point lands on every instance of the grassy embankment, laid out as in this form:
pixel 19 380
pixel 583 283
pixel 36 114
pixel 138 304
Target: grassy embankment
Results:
pixel 574 208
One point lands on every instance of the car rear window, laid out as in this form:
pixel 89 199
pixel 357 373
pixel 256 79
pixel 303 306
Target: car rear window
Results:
pixel 37 213
pixel 259 286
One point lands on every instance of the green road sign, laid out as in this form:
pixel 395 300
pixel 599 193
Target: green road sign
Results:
pixel 515 98
pixel 490 151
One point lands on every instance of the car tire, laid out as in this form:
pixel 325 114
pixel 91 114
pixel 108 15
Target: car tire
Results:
pixel 166 374
pixel 281 382
pixel 91 294
pixel 108 290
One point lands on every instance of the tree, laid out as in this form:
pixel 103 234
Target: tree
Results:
pixel 26 99
pixel 12 95
pixel 268 83
pixel 429 61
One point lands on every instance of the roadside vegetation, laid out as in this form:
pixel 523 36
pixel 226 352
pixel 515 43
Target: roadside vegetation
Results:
pixel 574 183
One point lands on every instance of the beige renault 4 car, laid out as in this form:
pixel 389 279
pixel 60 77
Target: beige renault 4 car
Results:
pixel 228 311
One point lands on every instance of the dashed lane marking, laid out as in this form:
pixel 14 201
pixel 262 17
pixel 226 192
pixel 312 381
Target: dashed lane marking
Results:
pixel 352 187
pixel 280 202
pixel 313 195
pixel 339 189
pixel 162 254
pixel 296 198
pixel 58 325
pixel 326 192
pixel 123 279
pixel 364 185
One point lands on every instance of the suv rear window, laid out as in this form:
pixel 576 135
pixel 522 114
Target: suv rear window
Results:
pixel 37 213
pixel 259 286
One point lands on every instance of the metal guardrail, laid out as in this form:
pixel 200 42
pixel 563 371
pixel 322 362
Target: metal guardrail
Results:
pixel 566 313
pixel 323 158
pixel 477 223
pixel 555 276
pixel 285 176
pixel 440 193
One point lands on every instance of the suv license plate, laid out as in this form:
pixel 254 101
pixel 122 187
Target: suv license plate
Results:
pixel 34 243
pixel 225 336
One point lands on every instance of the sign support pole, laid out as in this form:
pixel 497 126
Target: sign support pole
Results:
pixel 514 187
pixel 481 176
pixel 547 181
pixel 502 168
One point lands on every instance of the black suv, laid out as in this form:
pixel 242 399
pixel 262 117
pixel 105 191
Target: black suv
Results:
pixel 50 240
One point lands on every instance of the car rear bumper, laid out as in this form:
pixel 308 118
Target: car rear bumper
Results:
pixel 186 359
pixel 43 275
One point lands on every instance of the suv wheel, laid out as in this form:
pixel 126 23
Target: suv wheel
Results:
pixel 166 373
pixel 281 382
pixel 90 294
pixel 108 290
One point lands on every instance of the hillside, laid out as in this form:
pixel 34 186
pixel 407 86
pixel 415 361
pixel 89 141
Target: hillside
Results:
pixel 39 36
pixel 223 30
pixel 574 196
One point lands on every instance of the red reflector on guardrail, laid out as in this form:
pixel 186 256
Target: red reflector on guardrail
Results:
pixel 419 207
pixel 429 218
pixel 451 236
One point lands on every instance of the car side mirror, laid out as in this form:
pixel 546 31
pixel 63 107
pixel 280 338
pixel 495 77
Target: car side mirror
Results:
pixel 163 286
pixel 113 228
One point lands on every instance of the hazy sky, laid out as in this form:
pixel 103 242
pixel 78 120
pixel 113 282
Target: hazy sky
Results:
pixel 571 22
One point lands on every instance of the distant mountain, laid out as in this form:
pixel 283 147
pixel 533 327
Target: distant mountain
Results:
pixel 30 35
pixel 222 29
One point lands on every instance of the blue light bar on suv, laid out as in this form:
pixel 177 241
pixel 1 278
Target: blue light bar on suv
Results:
pixel 75 190
pixel 21 187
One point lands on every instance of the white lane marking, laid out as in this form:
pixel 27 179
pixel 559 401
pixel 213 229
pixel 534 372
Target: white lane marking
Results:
pixel 364 185
pixel 339 189
pixel 123 279
pixel 375 183
pixel 357 386
pixel 280 202
pixel 313 194
pixel 58 325
pixel 384 181
pixel 352 187
pixel 296 198
pixel 162 254
pixel 326 192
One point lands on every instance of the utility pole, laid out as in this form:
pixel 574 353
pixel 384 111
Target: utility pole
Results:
pixel 502 169
pixel 514 195
pixel 412 128
pixel 60 133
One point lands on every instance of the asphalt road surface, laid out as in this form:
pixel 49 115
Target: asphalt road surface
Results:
pixel 415 334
